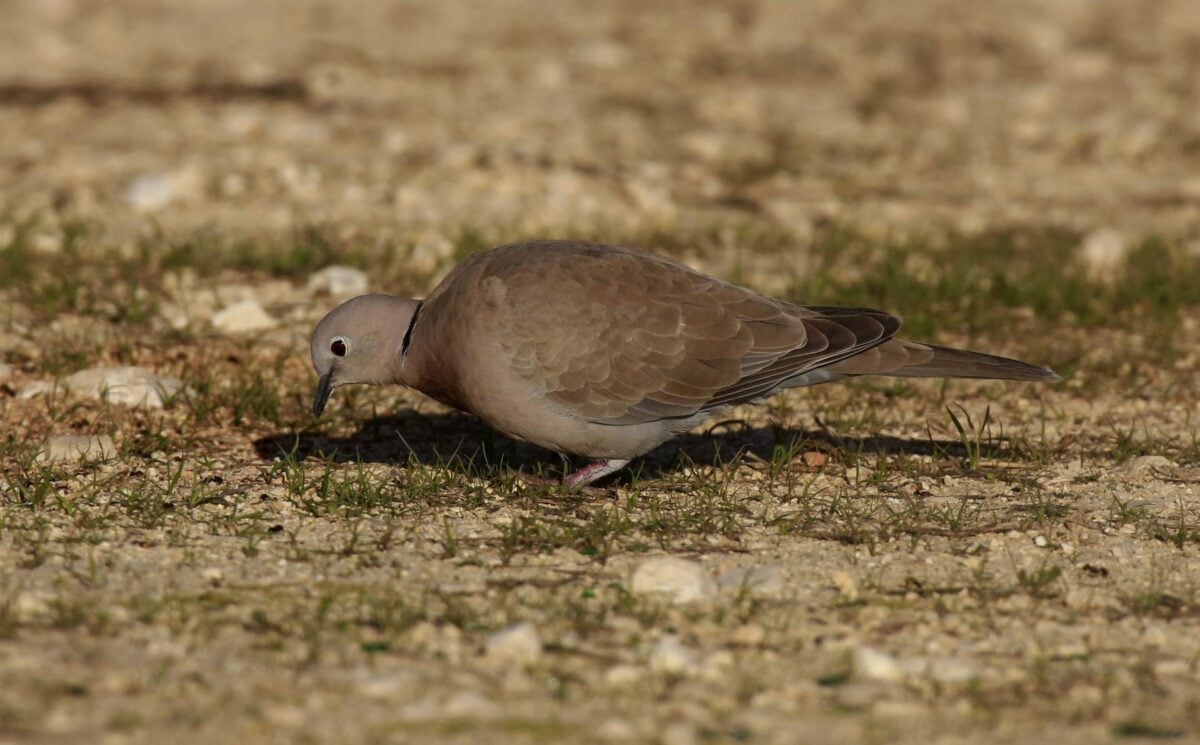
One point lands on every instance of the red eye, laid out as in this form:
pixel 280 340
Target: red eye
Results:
pixel 338 347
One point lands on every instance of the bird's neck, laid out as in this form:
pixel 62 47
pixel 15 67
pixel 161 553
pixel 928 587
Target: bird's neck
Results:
pixel 425 362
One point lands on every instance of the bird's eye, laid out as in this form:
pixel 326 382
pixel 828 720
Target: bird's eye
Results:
pixel 338 347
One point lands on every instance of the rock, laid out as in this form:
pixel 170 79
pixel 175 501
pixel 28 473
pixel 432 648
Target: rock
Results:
pixel 1103 254
pixel 72 448
pixel 677 580
pixel 1147 463
pixel 762 581
pixel 6 371
pixel 339 281
pixel 622 676
pixel 31 605
pixel 669 656
pixel 149 192
pixel 133 386
pixel 32 390
pixel 952 670
pixel 518 644
pixel 243 317
pixel 845 584
pixel 873 664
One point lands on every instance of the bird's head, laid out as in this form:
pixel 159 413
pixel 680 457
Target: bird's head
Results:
pixel 361 341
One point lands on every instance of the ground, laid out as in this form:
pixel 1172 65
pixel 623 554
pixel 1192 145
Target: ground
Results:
pixel 886 561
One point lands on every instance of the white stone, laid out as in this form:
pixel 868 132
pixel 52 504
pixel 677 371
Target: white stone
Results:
pixel 765 580
pixel 518 644
pixel 34 389
pixel 670 656
pixel 873 664
pixel 676 580
pixel 30 605
pixel 339 281
pixel 150 191
pixel 244 317
pixel 620 676
pixel 71 448
pixel 1103 253
pixel 134 386
pixel 1147 463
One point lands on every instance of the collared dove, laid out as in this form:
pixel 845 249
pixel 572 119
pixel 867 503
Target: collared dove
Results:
pixel 606 352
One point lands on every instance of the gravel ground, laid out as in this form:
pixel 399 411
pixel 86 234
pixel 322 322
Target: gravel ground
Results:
pixel 203 563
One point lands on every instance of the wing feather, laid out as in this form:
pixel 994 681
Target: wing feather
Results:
pixel 629 337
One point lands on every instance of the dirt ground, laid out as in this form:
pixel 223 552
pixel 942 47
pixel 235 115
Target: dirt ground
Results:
pixel 877 562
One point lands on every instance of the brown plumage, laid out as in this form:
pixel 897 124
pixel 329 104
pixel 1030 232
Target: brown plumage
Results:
pixel 607 352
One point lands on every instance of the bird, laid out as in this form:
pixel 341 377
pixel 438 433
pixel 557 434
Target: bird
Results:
pixel 605 352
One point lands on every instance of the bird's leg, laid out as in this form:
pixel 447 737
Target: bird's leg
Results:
pixel 593 471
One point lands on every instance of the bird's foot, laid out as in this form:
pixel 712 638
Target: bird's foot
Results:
pixel 577 480
pixel 592 472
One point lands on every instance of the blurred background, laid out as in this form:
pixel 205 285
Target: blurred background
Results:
pixel 413 119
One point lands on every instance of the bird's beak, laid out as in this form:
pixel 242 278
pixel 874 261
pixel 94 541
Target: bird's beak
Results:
pixel 324 388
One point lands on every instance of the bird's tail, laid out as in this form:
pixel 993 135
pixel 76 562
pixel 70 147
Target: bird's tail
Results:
pixel 905 359
pixel 948 362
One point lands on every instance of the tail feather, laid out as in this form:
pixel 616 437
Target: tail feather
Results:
pixel 947 362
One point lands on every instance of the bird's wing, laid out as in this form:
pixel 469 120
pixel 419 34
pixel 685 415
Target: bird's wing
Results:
pixel 616 336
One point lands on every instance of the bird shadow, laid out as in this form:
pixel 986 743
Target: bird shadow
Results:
pixel 464 444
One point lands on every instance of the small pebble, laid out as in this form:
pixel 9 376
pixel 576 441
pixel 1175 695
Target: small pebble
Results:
pixel 518 644
pixel 760 581
pixel 73 448
pixel 873 664
pixel 1147 464
pixel 671 657
pixel 244 317
pixel 845 584
pixel 674 579
pixel 338 281
pixel 1103 253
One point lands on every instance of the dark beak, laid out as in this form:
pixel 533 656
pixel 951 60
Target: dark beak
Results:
pixel 324 388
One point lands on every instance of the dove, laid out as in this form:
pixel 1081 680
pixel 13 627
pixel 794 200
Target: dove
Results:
pixel 606 352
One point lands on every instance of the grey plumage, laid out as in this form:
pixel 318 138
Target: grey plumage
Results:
pixel 606 352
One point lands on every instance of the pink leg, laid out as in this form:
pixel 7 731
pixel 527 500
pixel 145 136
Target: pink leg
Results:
pixel 591 472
